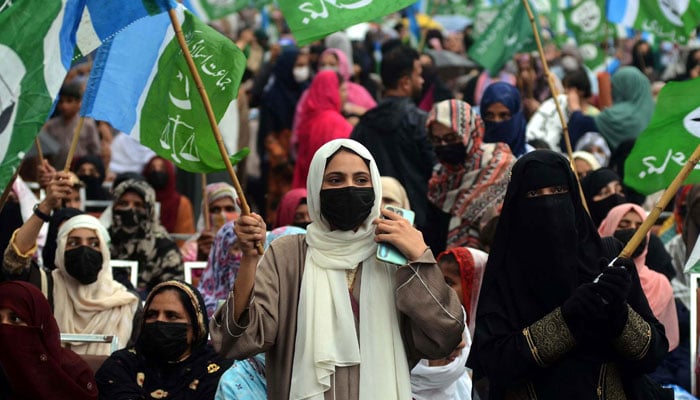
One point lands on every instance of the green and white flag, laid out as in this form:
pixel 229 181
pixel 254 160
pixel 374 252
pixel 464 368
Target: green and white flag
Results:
pixel 141 84
pixel 209 10
pixel 484 15
pixel 666 144
pixel 36 46
pixel 311 20
pixel 671 20
pixel 510 33
pixel 589 26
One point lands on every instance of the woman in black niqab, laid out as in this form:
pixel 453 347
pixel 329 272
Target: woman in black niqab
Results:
pixel 545 257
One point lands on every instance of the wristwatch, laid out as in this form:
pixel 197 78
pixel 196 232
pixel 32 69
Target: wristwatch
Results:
pixel 40 214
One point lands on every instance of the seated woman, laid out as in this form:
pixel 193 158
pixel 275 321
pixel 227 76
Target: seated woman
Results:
pixel 176 214
pixel 81 290
pixel 222 268
pixel 325 311
pixel 221 201
pixel 28 334
pixel 137 235
pixel 602 189
pixel 585 163
pixel 91 171
pixel 171 358
pixel 622 222
pixel 293 209
pixel 554 321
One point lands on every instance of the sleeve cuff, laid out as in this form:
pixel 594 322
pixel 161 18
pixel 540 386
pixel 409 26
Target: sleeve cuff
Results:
pixel 549 338
pixel 28 254
pixel 635 339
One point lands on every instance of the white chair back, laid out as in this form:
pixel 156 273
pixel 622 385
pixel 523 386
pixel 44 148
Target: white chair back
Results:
pixel 192 265
pixel 133 267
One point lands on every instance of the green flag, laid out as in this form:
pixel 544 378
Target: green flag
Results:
pixel 669 20
pixel 484 15
pixel 141 84
pixel 314 19
pixel 666 144
pixel 588 24
pixel 209 10
pixel 35 53
pixel 509 33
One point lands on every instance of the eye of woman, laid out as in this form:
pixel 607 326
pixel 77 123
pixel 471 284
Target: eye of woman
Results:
pixel 16 319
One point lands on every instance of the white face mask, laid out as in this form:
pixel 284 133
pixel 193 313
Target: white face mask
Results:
pixel 301 74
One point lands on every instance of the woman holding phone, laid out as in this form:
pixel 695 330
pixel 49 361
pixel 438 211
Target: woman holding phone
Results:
pixel 302 304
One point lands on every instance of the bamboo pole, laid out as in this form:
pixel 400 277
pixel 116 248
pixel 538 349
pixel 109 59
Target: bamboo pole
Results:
pixel 74 144
pixel 205 203
pixel 661 204
pixel 245 209
pixel 8 188
pixel 555 93
pixel 39 152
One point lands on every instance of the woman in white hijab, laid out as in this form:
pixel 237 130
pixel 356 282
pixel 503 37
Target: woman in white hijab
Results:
pixel 86 297
pixel 325 338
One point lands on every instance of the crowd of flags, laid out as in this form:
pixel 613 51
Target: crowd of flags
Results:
pixel 141 85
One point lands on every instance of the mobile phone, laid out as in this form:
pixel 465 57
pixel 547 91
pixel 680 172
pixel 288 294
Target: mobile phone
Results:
pixel 387 252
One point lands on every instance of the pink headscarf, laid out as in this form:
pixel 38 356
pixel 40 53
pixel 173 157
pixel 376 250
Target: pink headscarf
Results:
pixel 357 94
pixel 288 206
pixel 319 122
pixel 656 287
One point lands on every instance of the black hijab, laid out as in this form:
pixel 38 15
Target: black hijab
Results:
pixel 544 246
pixel 591 185
pixel 93 185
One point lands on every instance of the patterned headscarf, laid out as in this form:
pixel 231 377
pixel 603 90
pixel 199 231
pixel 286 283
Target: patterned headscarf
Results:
pixel 466 191
pixel 222 268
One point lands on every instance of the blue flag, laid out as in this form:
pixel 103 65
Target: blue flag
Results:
pixel 141 85
pixel 103 19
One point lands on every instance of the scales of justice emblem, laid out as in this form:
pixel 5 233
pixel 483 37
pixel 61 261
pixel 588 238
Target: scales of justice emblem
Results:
pixel 176 127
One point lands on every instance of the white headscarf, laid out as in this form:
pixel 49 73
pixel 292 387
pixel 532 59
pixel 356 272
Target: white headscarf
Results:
pixel 102 307
pixel 326 337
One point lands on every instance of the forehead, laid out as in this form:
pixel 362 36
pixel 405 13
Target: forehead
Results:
pixel 346 162
pixel 438 129
pixel 632 216
pixel 497 108
pixel 329 58
pixel 222 202
pixel 83 233
pixel 130 196
pixel 168 300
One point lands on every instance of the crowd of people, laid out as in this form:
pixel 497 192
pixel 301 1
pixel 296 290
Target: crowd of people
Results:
pixel 511 287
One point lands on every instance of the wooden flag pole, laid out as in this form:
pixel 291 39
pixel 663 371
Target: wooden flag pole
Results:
pixel 205 203
pixel 661 204
pixel 74 144
pixel 8 188
pixel 555 93
pixel 39 153
pixel 245 209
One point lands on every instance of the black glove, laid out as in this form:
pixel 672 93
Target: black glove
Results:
pixel 614 286
pixel 580 310
pixel 614 283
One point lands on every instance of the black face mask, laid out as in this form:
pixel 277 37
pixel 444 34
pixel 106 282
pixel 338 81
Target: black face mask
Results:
pixel 301 225
pixel 129 217
pixel 91 182
pixel 599 209
pixel 158 179
pixel 83 264
pixel 348 207
pixel 624 235
pixel 165 341
pixel 452 154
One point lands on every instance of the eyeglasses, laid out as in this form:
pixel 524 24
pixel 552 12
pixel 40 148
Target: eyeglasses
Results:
pixel 446 139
